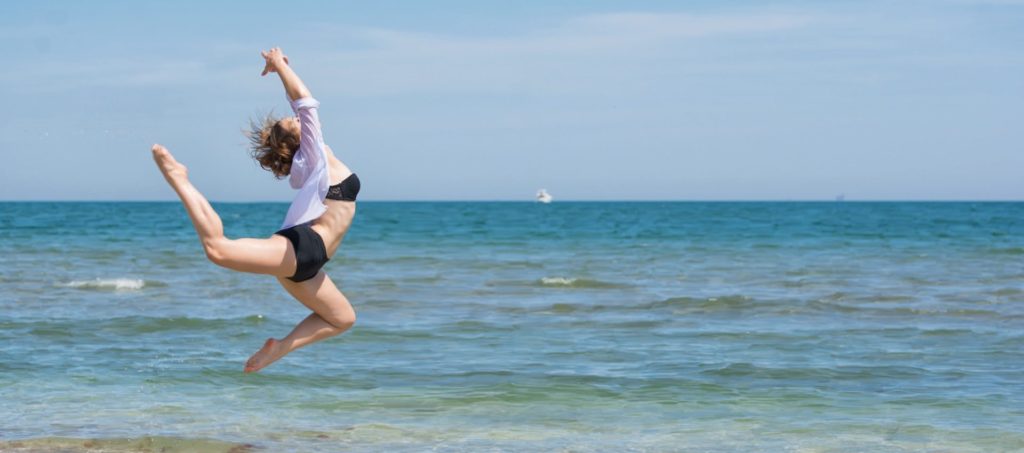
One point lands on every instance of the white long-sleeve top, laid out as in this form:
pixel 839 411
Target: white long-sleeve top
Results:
pixel 309 166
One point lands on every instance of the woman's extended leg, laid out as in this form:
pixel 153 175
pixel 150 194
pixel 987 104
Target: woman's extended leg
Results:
pixel 332 315
pixel 274 256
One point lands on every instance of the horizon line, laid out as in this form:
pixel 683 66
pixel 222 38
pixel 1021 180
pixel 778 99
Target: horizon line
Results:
pixel 737 200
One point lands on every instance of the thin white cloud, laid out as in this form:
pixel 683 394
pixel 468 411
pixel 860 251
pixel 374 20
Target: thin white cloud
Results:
pixel 602 32
pixel 114 71
pixel 393 61
pixel 684 25
pixel 582 53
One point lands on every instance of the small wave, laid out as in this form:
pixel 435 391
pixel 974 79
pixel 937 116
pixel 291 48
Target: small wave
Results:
pixel 128 325
pixel 146 324
pixel 1008 292
pixel 563 282
pixel 1007 251
pixel 738 304
pixel 726 303
pixel 557 281
pixel 678 305
pixel 116 284
pixel 843 373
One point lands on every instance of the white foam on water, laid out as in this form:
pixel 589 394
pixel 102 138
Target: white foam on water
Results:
pixel 557 281
pixel 108 283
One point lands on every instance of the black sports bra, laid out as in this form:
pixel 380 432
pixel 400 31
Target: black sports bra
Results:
pixel 345 190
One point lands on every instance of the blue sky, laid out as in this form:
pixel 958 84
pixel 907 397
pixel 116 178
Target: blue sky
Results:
pixel 593 100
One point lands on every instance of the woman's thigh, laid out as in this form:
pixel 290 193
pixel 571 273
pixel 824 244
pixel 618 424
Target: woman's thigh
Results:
pixel 274 255
pixel 323 297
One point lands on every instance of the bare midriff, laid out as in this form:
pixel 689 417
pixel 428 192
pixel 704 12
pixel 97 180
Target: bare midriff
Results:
pixel 334 223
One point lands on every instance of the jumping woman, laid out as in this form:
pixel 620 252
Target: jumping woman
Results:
pixel 313 229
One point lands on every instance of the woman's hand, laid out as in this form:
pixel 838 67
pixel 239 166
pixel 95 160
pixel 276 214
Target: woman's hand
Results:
pixel 278 62
pixel 274 58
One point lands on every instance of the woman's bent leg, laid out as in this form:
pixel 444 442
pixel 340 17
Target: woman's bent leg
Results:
pixel 332 315
pixel 309 331
pixel 274 256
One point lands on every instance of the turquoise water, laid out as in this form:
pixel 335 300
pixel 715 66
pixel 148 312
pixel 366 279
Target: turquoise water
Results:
pixel 525 327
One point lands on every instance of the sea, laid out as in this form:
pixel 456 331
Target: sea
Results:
pixel 507 326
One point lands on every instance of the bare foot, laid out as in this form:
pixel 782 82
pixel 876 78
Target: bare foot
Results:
pixel 269 353
pixel 172 169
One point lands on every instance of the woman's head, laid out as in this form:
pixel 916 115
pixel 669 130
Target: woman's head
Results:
pixel 273 142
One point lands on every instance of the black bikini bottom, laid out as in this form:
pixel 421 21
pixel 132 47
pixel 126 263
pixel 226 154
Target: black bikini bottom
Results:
pixel 310 252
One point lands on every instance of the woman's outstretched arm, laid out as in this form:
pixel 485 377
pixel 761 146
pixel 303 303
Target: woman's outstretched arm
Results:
pixel 278 62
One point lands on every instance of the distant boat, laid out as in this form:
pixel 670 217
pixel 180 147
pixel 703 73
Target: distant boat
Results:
pixel 543 196
pixel 841 197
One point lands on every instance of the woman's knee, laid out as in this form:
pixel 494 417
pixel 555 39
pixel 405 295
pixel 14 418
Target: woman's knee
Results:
pixel 343 320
